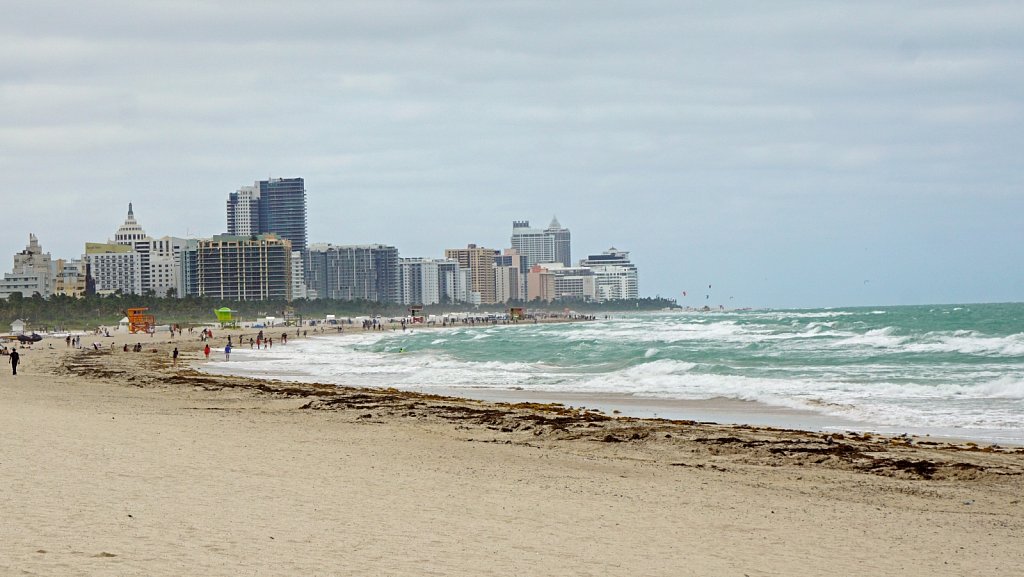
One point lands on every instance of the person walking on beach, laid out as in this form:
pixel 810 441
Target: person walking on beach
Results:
pixel 15 359
pixel 227 352
pixel 206 350
pixel 174 356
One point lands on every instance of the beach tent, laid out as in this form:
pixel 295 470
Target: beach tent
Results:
pixel 122 325
pixel 18 326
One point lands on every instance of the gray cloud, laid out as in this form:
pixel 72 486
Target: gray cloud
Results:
pixel 779 150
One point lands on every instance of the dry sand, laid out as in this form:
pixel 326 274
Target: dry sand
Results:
pixel 117 463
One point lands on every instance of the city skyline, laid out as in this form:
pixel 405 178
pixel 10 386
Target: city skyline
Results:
pixel 264 255
pixel 849 153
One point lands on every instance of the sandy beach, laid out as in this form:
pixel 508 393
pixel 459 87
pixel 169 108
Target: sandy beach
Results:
pixel 115 463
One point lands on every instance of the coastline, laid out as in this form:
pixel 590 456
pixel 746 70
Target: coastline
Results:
pixel 121 463
pixel 719 410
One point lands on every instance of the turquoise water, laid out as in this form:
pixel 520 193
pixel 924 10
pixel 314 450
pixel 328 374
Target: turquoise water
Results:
pixel 924 367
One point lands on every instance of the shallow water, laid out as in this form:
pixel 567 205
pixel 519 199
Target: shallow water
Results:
pixel 950 367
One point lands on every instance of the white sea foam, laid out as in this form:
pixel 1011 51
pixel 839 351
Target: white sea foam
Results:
pixel 883 338
pixel 860 370
pixel 970 344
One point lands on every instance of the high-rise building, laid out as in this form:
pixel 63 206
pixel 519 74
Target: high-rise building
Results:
pixel 244 211
pixel 283 210
pixel 420 282
pixel 244 268
pixel 480 262
pixel 535 244
pixel 190 268
pixel 615 276
pixel 561 241
pixel 510 270
pixel 430 281
pixel 276 205
pixel 452 281
pixel 298 276
pixel 369 272
pixel 166 266
pixel 552 244
pixel 33 272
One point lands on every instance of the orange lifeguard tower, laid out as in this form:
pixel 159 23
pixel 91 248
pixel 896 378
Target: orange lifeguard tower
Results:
pixel 140 322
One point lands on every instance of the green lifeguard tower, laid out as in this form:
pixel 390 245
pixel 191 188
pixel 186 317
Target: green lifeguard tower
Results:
pixel 226 317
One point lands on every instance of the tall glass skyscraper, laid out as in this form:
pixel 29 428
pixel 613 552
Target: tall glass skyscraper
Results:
pixel 283 209
pixel 277 206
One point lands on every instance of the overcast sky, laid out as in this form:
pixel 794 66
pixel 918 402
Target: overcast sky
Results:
pixel 786 153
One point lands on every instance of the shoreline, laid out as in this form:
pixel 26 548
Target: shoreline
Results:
pixel 124 463
pixel 717 410
pixel 722 411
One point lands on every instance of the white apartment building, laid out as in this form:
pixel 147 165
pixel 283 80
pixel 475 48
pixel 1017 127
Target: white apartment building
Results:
pixel 114 267
pixel 615 276
pixel 420 280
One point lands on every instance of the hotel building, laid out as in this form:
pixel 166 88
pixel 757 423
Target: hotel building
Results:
pixel 616 277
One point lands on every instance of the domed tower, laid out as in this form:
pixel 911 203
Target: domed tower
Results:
pixel 130 231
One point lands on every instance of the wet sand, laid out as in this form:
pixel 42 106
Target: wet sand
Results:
pixel 117 463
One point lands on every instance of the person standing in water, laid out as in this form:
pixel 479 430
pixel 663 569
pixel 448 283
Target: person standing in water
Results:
pixel 206 350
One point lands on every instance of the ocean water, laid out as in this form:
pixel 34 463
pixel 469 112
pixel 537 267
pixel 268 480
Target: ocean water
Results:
pixel 956 369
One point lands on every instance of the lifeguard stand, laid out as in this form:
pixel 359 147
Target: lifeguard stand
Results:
pixel 139 322
pixel 416 312
pixel 516 313
pixel 225 316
